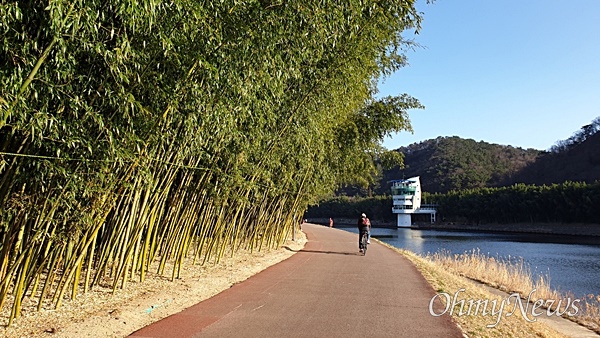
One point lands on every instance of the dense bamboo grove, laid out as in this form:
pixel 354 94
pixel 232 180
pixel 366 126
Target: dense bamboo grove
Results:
pixel 140 132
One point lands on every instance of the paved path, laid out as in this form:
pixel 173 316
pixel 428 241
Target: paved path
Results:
pixel 327 289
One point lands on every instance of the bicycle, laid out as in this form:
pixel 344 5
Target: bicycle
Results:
pixel 364 241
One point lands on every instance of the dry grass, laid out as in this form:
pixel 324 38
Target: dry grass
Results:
pixel 513 275
pixel 445 279
pixel 476 324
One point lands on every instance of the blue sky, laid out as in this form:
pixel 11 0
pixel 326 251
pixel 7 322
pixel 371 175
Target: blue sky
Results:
pixel 524 73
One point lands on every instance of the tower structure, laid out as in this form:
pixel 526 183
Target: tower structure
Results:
pixel 406 196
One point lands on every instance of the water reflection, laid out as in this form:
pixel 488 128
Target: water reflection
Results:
pixel 571 262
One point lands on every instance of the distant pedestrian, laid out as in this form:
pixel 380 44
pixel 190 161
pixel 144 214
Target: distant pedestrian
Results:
pixel 331 222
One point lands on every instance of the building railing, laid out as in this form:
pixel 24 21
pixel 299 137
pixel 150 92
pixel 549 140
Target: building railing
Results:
pixel 402 207
pixel 404 191
pixel 431 207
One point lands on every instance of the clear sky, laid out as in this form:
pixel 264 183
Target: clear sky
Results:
pixel 524 73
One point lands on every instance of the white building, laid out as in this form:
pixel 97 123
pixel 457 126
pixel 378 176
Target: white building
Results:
pixel 406 195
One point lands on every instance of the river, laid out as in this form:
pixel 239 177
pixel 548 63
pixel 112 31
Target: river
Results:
pixel 572 263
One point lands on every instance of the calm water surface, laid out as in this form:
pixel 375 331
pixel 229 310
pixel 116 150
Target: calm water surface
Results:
pixel 572 263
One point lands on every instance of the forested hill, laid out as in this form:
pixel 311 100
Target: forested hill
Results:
pixel 576 159
pixel 448 163
pixel 453 163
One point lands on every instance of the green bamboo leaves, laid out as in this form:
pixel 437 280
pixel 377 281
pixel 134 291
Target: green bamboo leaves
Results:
pixel 136 136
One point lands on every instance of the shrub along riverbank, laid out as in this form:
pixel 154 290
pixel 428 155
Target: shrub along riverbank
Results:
pixel 569 202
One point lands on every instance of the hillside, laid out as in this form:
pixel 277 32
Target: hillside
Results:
pixel 454 163
pixel 578 162
pixel 448 163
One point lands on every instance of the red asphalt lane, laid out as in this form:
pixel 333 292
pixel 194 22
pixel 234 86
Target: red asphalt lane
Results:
pixel 326 289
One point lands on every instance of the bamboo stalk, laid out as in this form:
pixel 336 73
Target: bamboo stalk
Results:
pixel 204 224
pixel 76 278
pixel 76 260
pixel 56 257
pixel 18 291
pixel 88 270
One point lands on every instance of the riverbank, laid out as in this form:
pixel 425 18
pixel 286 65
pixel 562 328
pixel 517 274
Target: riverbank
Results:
pixel 516 276
pixel 568 229
pixel 463 282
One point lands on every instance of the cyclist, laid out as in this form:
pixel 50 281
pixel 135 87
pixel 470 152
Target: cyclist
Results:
pixel 364 225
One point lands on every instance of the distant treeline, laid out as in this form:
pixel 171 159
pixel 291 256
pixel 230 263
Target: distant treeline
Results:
pixel 377 208
pixel 570 202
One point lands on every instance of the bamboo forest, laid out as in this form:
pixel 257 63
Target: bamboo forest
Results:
pixel 135 132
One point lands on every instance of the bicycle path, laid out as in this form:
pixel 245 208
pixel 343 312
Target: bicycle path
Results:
pixel 327 289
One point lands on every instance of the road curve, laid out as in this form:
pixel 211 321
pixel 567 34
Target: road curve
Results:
pixel 326 289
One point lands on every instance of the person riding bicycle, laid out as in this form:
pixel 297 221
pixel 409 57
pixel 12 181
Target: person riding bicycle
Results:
pixel 364 225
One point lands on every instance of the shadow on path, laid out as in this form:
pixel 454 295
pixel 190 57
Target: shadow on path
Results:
pixel 325 252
